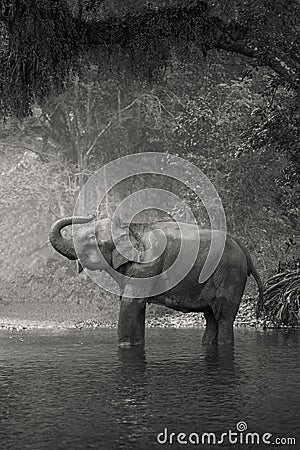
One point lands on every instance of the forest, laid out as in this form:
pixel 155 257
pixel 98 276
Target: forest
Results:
pixel 83 82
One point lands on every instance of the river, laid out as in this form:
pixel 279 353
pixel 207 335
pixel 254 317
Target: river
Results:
pixel 71 389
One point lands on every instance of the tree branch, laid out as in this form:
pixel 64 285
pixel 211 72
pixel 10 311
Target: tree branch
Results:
pixel 115 116
pixel 42 158
pixel 284 66
pixel 91 147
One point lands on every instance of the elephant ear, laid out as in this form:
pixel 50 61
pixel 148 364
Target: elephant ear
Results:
pixel 128 249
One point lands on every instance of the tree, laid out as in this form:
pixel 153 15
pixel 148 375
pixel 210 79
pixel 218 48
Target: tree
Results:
pixel 43 41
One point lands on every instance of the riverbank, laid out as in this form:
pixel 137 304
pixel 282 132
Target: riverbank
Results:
pixel 29 315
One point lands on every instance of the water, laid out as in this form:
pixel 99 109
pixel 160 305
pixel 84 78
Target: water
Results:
pixel 76 390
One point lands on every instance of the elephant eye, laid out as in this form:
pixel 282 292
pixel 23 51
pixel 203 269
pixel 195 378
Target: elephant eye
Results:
pixel 92 236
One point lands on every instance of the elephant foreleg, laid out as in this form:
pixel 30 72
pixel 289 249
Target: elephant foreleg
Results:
pixel 131 326
pixel 211 331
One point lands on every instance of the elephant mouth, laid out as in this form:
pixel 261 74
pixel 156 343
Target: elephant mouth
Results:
pixel 85 262
pixel 79 266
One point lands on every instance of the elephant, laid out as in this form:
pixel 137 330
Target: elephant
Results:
pixel 218 297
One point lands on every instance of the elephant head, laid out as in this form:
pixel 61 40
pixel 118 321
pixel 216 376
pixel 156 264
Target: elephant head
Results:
pixel 99 244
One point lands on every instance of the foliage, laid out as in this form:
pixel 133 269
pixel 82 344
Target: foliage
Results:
pixel 282 298
pixel 201 119
pixel 38 51
pixel 274 129
pixel 43 42
pixel 32 192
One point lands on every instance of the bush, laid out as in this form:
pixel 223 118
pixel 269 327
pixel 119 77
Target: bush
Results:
pixel 282 298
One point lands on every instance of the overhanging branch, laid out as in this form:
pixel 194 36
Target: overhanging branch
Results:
pixel 284 66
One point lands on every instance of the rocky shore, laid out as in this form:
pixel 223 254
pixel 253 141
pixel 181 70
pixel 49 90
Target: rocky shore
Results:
pixel 171 319
pixel 246 317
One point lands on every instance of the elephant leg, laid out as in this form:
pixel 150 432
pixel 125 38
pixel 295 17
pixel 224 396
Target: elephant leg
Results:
pixel 211 331
pixel 225 311
pixel 225 307
pixel 225 331
pixel 131 326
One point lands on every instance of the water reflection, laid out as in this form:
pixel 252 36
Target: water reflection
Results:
pixel 132 357
pixel 219 356
pixel 78 390
pixel 129 405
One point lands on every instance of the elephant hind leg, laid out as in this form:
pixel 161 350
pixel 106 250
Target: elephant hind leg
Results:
pixel 131 326
pixel 211 331
pixel 225 311
pixel 225 331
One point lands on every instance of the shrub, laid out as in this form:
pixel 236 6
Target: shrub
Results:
pixel 282 298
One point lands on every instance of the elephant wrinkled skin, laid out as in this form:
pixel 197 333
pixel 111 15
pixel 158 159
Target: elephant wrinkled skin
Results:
pixel 218 298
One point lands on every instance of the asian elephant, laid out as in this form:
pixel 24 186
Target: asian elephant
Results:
pixel 218 297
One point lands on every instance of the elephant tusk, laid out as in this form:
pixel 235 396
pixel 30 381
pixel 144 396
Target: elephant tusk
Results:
pixel 79 266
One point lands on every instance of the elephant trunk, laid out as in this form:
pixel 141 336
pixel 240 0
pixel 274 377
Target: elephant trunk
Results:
pixel 65 246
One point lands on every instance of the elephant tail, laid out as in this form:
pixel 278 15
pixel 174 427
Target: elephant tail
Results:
pixel 260 308
pixel 257 278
